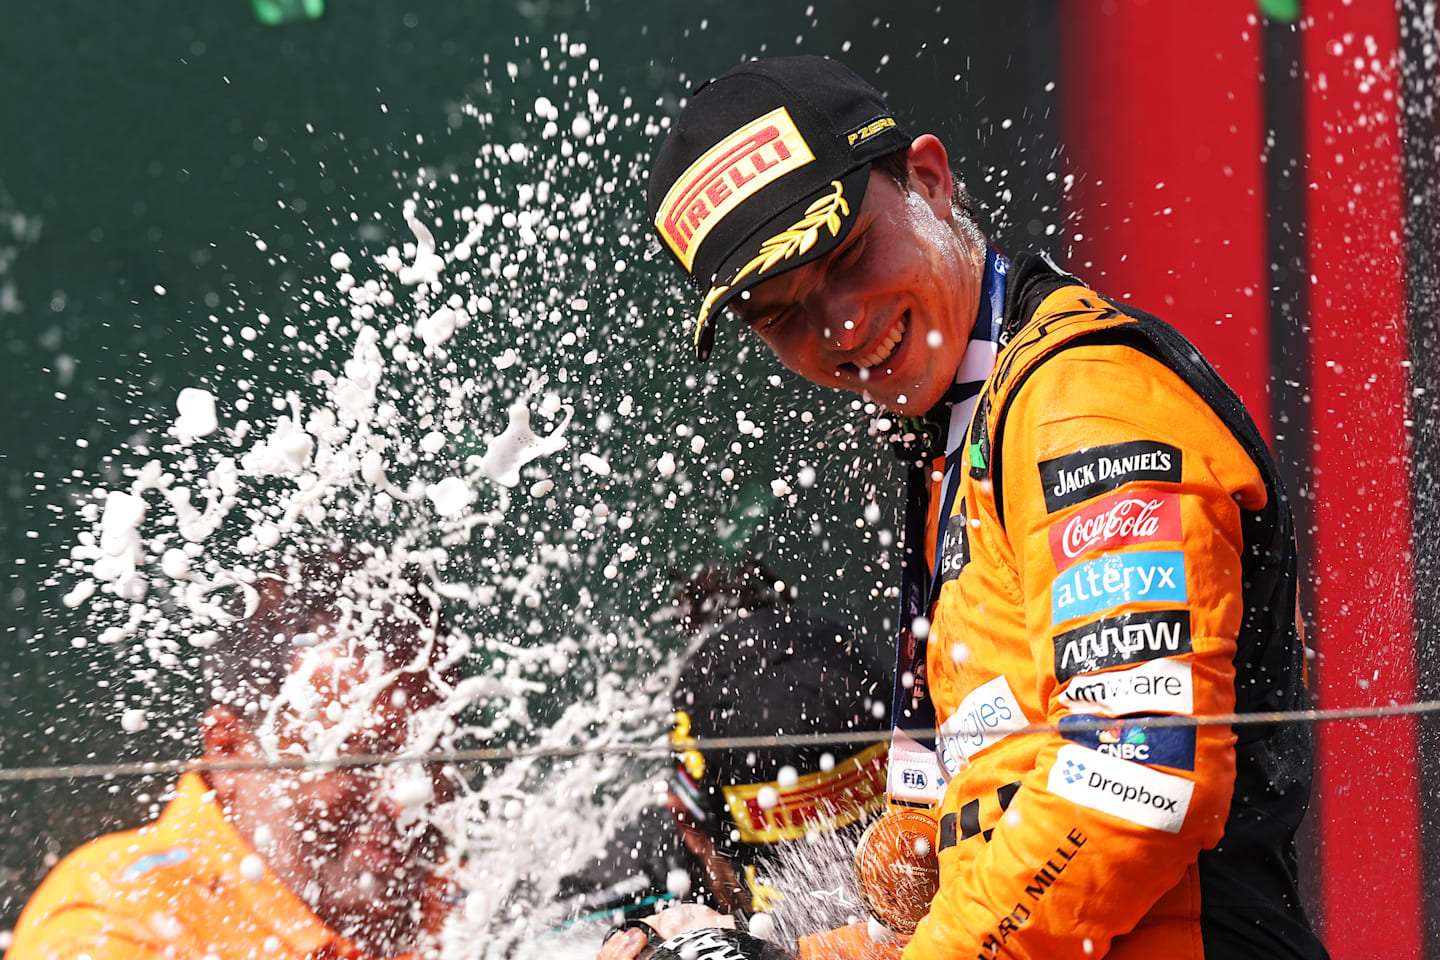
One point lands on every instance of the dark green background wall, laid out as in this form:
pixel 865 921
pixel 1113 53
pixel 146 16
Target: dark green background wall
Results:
pixel 148 142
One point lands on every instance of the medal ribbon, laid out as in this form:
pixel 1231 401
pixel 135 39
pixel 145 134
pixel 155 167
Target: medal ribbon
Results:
pixel 915 775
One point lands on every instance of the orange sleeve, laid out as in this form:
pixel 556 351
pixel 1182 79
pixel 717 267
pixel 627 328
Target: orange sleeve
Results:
pixel 847 943
pixel 71 932
pixel 1105 822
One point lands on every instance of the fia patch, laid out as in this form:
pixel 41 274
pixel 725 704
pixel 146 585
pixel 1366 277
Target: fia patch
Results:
pixel 1076 477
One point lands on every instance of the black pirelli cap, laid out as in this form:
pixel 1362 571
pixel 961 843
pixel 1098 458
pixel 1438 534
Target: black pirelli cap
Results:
pixel 764 171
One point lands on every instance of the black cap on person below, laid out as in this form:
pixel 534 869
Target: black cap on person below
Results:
pixel 714 943
pixel 764 171
pixel 778 672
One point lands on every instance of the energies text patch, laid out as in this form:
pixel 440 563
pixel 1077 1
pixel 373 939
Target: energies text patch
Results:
pixel 726 175
pixel 1131 638
pixel 1078 476
pixel 989 714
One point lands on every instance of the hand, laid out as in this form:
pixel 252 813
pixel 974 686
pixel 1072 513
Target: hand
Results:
pixel 625 945
pixel 684 917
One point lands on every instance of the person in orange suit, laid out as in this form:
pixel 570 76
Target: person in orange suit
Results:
pixel 324 863
pixel 1101 536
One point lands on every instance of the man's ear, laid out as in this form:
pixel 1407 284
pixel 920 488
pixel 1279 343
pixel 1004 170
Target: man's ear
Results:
pixel 930 175
pixel 224 735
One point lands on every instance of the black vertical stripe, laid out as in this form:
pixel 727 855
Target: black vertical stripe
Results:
pixel 1283 155
pixel 1420 138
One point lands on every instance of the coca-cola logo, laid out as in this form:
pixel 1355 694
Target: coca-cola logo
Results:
pixel 1118 520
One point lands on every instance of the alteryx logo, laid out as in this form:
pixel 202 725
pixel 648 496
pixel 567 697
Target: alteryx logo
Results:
pixel 1115 580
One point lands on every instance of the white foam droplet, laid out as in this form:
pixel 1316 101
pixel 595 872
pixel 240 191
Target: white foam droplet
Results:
pixel 666 464
pixel 879 933
pixel 677 882
pixel 779 487
pixel 339 260
pixel 197 414
pixel 506 360
pixel 762 925
pixel 450 496
pixel 133 721
pixel 595 464
pixel 827 762
pixel 541 487
pixel 788 776
pixel 252 868
pixel 438 327
pixel 433 442
pixel 175 564
pixel 518 445
pixel 81 592
pixel 768 797
pixel 413 792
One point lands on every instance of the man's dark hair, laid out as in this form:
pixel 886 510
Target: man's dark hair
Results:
pixel 309 595
pixel 896 167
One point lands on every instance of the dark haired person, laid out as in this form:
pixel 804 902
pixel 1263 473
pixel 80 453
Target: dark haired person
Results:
pixel 756 666
pixel 1105 533
pixel 322 863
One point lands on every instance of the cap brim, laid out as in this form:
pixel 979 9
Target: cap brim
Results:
pixel 803 232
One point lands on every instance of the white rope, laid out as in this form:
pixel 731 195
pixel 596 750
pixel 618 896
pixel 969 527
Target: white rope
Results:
pixel 88 771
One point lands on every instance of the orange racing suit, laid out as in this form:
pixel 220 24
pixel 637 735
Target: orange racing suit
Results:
pixel 1121 546
pixel 172 890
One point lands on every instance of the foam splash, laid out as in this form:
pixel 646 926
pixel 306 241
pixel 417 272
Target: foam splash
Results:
pixel 446 369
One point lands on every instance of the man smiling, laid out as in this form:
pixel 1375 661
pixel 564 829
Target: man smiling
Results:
pixel 1041 420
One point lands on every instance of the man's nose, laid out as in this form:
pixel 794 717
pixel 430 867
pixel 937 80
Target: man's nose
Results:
pixel 837 320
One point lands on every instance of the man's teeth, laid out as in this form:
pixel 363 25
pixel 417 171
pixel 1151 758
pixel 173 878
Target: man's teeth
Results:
pixel 885 347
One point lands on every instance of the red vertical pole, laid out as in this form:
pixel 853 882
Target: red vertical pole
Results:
pixel 1161 119
pixel 1368 803
pixel 1163 128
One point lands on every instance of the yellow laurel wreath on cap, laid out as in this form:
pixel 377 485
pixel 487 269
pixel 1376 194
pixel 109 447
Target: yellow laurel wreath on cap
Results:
pixel 798 239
